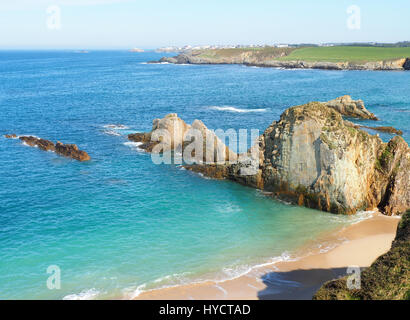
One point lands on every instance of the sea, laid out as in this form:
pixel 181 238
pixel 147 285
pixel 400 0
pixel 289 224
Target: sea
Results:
pixel 119 224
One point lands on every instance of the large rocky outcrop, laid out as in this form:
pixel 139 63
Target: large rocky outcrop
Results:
pixel 67 150
pixel 315 158
pixel 269 58
pixel 172 134
pixel 388 278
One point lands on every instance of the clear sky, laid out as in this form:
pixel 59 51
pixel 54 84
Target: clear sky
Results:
pixel 107 24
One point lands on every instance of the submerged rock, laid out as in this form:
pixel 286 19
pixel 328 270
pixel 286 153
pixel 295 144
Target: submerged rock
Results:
pixel 10 136
pixel 386 279
pixel 315 158
pixel 68 150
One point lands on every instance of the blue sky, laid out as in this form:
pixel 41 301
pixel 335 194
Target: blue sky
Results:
pixel 107 24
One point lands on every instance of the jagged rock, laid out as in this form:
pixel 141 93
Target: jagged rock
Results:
pixel 315 158
pixel 43 144
pixel 346 106
pixel 71 151
pixel 172 133
pixel 406 65
pixel 10 136
pixel 68 150
pixel 384 129
pixel 386 279
pixel 167 133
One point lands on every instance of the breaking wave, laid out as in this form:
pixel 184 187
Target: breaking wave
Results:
pixel 234 109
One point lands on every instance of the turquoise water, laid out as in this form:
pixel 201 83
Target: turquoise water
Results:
pixel 119 223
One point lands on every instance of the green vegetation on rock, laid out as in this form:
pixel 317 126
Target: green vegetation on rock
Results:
pixel 347 53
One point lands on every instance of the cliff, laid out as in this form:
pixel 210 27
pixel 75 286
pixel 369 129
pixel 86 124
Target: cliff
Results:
pixel 274 58
pixel 386 279
pixel 311 156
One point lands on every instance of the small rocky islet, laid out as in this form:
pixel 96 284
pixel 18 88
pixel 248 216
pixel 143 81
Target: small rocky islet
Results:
pixel 312 157
pixel 68 150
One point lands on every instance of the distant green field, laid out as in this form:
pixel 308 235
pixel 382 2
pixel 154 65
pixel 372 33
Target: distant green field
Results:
pixel 344 53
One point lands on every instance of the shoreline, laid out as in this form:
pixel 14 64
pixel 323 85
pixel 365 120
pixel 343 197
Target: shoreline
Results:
pixel 397 64
pixel 358 244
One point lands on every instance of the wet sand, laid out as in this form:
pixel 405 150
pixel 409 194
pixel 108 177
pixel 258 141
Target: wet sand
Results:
pixel 356 245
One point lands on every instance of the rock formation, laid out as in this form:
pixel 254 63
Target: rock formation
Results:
pixel 173 134
pixel 346 106
pixel 71 151
pixel 406 65
pixel 386 279
pixel 67 150
pixel 383 129
pixel 315 158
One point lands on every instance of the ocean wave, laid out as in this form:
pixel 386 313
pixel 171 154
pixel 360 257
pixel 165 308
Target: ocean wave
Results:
pixel 134 145
pixel 112 133
pixel 234 109
pixel 116 126
pixel 89 294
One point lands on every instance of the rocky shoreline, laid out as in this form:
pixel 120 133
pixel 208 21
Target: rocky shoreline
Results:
pixel 311 156
pixel 272 62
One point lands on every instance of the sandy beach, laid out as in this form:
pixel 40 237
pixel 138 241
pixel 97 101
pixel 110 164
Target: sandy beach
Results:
pixel 355 245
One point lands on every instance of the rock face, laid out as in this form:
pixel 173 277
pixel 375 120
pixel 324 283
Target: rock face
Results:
pixel 406 65
pixel 71 151
pixel 262 59
pixel 68 150
pixel 43 144
pixel 346 106
pixel 315 158
pixel 386 279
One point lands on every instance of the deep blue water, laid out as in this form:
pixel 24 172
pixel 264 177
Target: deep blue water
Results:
pixel 119 222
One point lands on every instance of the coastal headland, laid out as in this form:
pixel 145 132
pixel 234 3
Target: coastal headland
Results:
pixel 328 58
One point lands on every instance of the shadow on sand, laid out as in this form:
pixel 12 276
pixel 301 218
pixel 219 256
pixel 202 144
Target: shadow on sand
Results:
pixel 297 284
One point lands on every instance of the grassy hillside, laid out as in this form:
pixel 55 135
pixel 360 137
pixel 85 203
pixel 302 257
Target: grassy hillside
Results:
pixel 266 52
pixel 344 53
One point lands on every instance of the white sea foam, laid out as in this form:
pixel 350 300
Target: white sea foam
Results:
pixel 134 145
pixel 89 294
pixel 132 293
pixel 112 133
pixel 234 109
pixel 116 126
